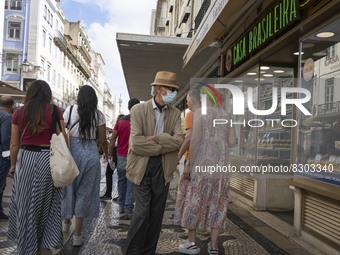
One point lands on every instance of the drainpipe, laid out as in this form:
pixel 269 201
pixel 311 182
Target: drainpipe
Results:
pixel 25 41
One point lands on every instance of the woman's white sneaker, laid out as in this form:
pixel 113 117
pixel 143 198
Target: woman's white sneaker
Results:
pixel 66 227
pixel 210 251
pixel 188 248
pixel 78 241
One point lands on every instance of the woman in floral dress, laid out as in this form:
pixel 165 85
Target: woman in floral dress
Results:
pixel 202 198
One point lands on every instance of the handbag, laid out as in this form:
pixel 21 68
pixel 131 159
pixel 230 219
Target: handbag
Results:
pixel 63 167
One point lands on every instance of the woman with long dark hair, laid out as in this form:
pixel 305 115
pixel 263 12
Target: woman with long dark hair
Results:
pixel 35 208
pixel 81 198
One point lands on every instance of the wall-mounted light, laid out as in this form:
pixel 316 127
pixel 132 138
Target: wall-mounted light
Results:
pixel 25 66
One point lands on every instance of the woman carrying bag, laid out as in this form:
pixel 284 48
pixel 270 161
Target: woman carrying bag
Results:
pixel 35 208
pixel 81 197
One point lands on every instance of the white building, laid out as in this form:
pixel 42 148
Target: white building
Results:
pixel 174 18
pixel 109 107
pixel 97 80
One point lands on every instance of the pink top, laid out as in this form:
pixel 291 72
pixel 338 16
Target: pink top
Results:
pixel 45 136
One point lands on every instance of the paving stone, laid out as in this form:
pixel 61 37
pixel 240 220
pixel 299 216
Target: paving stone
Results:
pixel 107 234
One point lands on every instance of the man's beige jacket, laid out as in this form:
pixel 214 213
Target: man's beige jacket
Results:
pixel 166 144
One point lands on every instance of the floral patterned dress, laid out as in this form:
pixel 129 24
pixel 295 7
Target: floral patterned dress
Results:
pixel 202 201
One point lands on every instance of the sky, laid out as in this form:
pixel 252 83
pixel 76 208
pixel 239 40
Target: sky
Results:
pixel 102 19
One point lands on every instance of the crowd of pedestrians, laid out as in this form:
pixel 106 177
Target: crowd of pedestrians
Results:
pixel 145 148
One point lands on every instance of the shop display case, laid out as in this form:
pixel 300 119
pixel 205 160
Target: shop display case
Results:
pixel 271 142
pixel 265 142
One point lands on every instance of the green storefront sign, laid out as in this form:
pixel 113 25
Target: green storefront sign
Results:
pixel 272 24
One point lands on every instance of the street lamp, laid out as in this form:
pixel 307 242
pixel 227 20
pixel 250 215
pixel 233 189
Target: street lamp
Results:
pixel 25 66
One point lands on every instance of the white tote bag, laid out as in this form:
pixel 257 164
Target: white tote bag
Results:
pixel 63 168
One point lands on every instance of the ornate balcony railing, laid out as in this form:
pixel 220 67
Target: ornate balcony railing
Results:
pixel 327 108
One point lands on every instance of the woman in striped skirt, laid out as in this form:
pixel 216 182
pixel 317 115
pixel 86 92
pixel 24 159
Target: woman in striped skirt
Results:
pixel 35 208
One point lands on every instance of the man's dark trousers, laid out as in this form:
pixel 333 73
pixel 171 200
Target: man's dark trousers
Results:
pixel 147 217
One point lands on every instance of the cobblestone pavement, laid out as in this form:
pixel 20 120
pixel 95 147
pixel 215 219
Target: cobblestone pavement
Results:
pixel 106 235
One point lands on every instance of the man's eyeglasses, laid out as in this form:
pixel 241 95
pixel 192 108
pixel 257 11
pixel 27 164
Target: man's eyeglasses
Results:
pixel 173 89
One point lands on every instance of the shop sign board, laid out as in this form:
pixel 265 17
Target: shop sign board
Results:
pixel 271 25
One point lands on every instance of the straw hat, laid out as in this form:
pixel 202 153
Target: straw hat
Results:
pixel 164 78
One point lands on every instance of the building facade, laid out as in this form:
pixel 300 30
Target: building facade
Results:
pixel 174 18
pixel 15 41
pixel 38 42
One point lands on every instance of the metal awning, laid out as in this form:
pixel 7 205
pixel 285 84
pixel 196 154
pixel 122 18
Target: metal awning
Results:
pixel 220 18
pixel 8 90
pixel 142 56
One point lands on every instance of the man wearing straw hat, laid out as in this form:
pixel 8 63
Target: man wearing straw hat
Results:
pixel 155 139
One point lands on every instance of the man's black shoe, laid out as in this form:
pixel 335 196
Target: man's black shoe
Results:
pixel 128 216
pixel 105 197
pixel 3 216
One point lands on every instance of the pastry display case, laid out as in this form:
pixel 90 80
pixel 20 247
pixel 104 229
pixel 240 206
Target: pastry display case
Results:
pixel 265 140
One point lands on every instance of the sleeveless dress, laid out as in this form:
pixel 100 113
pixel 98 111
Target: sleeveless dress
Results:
pixel 202 201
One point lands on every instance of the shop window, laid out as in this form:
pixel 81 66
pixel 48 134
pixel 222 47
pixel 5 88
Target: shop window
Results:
pixel 319 134
pixel 14 30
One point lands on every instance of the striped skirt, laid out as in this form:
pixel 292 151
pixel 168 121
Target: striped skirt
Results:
pixel 35 208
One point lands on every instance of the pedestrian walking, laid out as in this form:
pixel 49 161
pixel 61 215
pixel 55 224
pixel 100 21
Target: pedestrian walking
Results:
pixel 35 213
pixel 6 108
pixel 155 139
pixel 121 131
pixel 202 198
pixel 81 197
pixel 110 170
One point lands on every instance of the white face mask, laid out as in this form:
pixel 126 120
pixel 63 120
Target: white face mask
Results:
pixel 169 97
